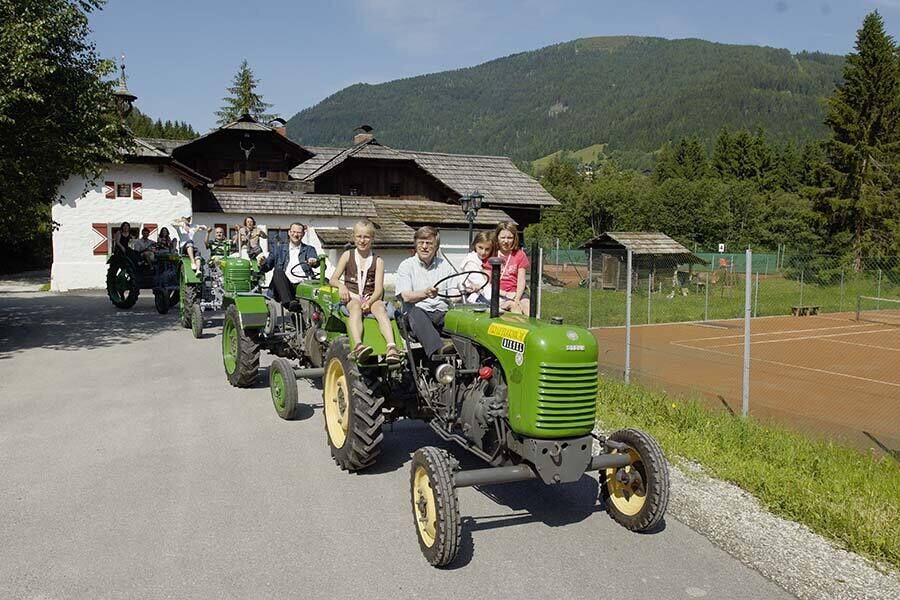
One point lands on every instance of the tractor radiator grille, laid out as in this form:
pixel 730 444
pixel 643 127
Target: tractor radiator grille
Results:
pixel 237 277
pixel 567 396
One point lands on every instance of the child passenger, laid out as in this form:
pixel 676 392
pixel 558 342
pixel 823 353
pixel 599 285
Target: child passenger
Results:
pixel 362 290
pixel 482 248
pixel 187 231
pixel 513 296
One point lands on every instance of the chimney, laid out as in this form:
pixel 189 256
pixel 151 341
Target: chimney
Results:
pixel 362 134
pixel 279 125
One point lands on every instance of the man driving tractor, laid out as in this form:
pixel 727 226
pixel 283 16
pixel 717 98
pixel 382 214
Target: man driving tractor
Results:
pixel 289 261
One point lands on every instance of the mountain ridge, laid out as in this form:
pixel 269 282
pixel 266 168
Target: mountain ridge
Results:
pixel 631 92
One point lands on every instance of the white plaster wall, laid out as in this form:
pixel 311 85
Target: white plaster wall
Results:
pixel 165 198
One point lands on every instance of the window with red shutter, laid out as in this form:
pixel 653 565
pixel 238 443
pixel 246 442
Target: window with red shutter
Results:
pixel 101 238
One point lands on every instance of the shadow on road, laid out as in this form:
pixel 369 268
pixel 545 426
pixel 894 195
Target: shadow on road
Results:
pixel 47 322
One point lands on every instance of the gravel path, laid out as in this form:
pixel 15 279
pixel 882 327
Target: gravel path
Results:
pixel 802 562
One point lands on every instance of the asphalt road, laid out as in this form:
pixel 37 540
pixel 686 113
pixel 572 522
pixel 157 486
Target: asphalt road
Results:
pixel 131 469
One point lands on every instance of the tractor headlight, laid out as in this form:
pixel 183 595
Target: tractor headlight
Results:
pixel 445 373
pixel 321 336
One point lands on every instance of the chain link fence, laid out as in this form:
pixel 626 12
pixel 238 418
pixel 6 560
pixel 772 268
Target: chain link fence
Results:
pixel 824 346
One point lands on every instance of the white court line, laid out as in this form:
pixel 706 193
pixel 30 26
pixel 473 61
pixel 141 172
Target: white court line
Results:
pixel 725 337
pixel 807 337
pixel 864 345
pixel 791 366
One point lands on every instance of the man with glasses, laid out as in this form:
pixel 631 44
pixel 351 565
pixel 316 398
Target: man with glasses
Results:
pixel 424 309
pixel 289 261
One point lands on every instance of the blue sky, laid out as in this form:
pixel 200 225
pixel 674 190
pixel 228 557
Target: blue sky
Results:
pixel 182 54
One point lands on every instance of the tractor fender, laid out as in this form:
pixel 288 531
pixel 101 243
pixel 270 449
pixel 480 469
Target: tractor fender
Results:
pixel 252 309
pixel 187 271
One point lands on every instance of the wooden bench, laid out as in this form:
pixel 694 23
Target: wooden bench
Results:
pixel 804 310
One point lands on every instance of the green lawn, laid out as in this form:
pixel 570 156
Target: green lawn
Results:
pixel 849 497
pixel 776 296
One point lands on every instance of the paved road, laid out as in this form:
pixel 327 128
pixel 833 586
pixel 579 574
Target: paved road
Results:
pixel 130 469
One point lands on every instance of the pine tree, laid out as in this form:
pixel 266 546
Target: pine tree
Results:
pixel 243 99
pixel 863 151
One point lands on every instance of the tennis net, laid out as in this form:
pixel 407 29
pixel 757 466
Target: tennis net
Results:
pixel 878 310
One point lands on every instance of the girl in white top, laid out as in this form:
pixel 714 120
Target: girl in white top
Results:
pixel 361 292
pixel 186 233
pixel 483 247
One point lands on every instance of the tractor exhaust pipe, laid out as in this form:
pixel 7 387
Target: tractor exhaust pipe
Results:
pixel 535 280
pixel 495 286
pixel 313 373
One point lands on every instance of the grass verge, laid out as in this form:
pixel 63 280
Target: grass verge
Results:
pixel 846 496
pixel 45 288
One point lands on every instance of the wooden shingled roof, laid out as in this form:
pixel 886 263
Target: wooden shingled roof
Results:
pixel 496 177
pixel 390 232
pixel 438 214
pixel 643 243
pixel 283 203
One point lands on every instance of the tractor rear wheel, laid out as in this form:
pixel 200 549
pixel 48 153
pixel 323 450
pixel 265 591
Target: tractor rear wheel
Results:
pixel 161 300
pixel 353 413
pixel 435 505
pixel 190 295
pixel 122 282
pixel 636 496
pixel 240 351
pixel 197 320
pixel 283 385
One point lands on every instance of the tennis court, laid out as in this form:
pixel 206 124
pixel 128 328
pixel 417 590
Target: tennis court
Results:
pixel 827 374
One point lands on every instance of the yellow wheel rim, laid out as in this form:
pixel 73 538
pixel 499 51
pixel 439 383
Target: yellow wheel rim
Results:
pixel 425 506
pixel 628 498
pixel 337 403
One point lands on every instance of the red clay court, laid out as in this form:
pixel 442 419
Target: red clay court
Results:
pixel 826 374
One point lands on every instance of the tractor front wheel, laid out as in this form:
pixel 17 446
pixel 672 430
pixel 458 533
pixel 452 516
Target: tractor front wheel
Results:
pixel 240 351
pixel 283 385
pixel 435 505
pixel 161 300
pixel 353 413
pixel 197 320
pixel 636 496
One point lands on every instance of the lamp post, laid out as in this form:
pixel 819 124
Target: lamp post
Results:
pixel 471 204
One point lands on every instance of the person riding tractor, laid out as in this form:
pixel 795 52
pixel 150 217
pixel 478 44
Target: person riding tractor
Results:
pixel 288 260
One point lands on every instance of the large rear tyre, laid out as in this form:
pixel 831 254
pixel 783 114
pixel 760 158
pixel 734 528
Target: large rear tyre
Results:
pixel 283 385
pixel 161 300
pixel 353 413
pixel 197 321
pixel 435 505
pixel 190 295
pixel 636 496
pixel 240 351
pixel 122 282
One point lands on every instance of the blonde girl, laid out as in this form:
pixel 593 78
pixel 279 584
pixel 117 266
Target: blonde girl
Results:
pixel 513 296
pixel 362 289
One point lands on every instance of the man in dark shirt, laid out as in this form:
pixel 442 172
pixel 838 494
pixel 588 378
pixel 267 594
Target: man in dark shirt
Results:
pixel 292 262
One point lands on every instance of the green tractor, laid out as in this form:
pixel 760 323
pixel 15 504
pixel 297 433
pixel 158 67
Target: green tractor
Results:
pixel 299 338
pixel 129 272
pixel 518 392
pixel 221 276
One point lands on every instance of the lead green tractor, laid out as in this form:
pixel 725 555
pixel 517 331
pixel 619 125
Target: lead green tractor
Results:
pixel 518 392
pixel 300 338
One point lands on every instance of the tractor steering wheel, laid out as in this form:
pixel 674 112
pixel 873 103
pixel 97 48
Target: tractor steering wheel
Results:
pixel 302 274
pixel 461 294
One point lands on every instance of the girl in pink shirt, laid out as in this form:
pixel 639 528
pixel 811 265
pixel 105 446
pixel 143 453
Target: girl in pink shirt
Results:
pixel 513 296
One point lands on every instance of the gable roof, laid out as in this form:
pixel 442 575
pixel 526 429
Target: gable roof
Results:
pixel 282 203
pixel 643 243
pixel 495 177
pixel 245 123
pixel 144 152
pixel 438 214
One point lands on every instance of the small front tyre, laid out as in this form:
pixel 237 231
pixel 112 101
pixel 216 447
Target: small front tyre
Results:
pixel 283 385
pixel 636 496
pixel 197 320
pixel 435 505
pixel 161 300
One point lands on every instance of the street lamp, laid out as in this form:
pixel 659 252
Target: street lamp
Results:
pixel 471 204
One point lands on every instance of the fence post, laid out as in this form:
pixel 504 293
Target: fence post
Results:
pixel 628 319
pixel 649 294
pixel 745 395
pixel 557 258
pixel 802 270
pixel 878 291
pixel 841 308
pixel 590 286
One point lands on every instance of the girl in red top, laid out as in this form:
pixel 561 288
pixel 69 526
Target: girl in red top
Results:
pixel 513 296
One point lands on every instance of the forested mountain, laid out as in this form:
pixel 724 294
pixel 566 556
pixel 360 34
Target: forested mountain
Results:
pixel 633 93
